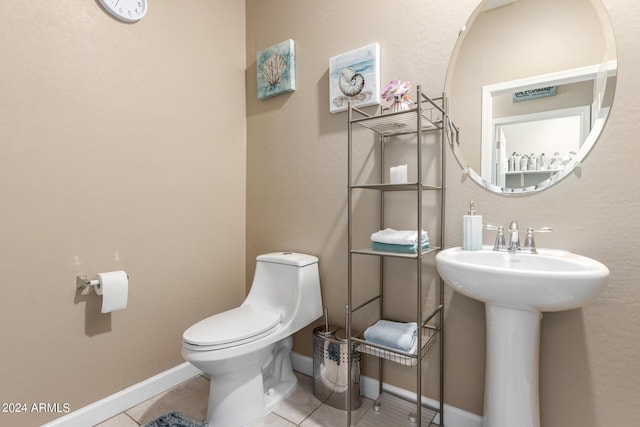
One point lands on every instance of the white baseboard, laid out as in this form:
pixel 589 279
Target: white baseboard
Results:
pixel 454 417
pixel 111 406
pixel 302 364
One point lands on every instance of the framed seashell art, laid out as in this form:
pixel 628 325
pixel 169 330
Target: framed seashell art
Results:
pixel 355 76
pixel 276 70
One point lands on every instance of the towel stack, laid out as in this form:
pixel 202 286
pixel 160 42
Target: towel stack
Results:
pixel 398 335
pixel 401 241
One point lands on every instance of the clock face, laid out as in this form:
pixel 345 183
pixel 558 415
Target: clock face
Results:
pixel 125 10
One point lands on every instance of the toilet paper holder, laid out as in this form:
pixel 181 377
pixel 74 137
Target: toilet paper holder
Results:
pixel 83 282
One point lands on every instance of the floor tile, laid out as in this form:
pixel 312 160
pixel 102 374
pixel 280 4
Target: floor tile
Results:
pixel 301 403
pixel 122 420
pixel 189 399
pixel 328 416
pixel 271 420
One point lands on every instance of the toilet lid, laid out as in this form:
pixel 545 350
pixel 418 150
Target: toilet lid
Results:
pixel 234 325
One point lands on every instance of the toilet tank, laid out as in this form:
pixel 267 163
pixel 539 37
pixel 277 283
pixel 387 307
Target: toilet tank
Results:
pixel 290 283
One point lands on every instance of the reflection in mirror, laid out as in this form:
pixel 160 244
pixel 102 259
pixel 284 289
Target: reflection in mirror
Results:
pixel 530 84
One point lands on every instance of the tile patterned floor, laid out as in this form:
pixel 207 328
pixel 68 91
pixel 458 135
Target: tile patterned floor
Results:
pixel 190 399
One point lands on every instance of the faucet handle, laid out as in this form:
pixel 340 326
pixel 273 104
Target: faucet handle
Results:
pixel 530 242
pixel 500 243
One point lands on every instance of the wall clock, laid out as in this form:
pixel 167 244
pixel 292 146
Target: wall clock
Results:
pixel 125 10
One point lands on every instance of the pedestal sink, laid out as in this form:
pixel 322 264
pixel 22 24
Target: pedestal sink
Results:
pixel 516 288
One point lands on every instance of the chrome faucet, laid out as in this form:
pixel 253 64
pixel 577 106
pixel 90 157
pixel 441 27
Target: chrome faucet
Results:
pixel 514 237
pixel 529 246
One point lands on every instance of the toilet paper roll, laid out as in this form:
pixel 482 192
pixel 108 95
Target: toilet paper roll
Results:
pixel 114 288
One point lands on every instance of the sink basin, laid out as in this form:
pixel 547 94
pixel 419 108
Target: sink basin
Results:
pixel 516 288
pixel 551 280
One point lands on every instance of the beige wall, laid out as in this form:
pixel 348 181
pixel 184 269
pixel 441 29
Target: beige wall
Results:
pixel 121 147
pixel 296 196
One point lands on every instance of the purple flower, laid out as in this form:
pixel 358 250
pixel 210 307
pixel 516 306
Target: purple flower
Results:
pixel 395 88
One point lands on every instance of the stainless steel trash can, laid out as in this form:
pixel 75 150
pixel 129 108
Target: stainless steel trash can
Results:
pixel 330 370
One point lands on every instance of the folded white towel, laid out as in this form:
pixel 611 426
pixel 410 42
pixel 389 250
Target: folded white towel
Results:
pixel 398 237
pixel 400 335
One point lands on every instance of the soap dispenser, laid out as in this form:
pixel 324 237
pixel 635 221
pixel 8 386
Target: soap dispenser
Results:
pixel 472 229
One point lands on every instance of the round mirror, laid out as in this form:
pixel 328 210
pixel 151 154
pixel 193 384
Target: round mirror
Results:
pixel 530 85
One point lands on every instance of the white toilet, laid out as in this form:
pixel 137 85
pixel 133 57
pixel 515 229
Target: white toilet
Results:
pixel 246 350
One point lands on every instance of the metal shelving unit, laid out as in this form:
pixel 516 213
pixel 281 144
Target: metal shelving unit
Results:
pixel 427 116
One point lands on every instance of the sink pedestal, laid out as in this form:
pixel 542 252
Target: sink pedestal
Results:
pixel 512 366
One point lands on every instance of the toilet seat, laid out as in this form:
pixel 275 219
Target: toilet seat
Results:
pixel 230 328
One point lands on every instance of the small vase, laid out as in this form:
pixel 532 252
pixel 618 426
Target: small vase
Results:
pixel 399 104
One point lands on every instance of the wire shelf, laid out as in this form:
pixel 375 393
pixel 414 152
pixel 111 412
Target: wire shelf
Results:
pixel 391 410
pixel 414 126
pixel 403 122
pixel 431 117
pixel 396 356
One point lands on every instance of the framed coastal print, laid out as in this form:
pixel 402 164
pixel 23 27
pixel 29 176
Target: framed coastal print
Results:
pixel 355 76
pixel 276 70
